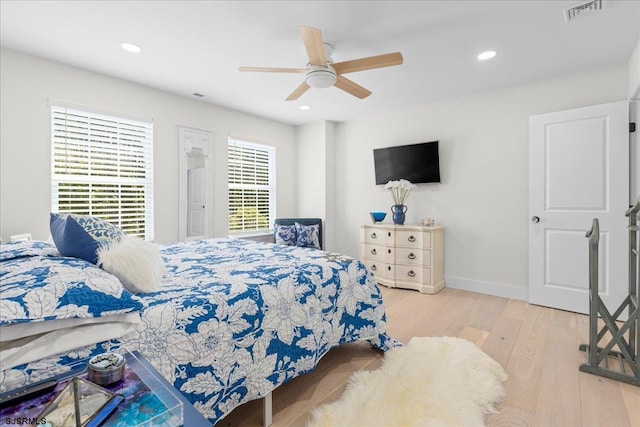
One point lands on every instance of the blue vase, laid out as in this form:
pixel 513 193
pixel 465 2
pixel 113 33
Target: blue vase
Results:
pixel 398 213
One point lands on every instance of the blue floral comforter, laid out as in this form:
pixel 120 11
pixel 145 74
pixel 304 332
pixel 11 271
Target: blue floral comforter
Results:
pixel 235 318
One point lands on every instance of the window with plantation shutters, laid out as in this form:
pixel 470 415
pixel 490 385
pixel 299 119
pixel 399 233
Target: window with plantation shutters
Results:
pixel 252 189
pixel 103 166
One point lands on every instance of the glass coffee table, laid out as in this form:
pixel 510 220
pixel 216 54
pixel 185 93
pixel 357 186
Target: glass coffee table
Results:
pixel 149 399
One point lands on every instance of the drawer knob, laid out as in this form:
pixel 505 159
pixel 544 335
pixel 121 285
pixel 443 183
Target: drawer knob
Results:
pixel 411 256
pixel 411 238
pixel 389 268
pixel 373 236
pixel 411 273
pixel 373 251
pixel 373 267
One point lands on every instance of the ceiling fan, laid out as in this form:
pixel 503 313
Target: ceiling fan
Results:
pixel 322 72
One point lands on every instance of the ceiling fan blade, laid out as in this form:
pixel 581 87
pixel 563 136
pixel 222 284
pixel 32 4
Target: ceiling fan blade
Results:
pixel 298 92
pixel 370 63
pixel 312 38
pixel 351 87
pixel 273 70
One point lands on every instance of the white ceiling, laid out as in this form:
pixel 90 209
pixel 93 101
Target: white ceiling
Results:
pixel 197 46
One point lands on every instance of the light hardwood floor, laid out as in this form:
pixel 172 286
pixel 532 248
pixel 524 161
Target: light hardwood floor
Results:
pixel 538 347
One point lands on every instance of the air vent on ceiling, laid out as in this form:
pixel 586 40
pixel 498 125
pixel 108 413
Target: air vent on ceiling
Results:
pixel 581 9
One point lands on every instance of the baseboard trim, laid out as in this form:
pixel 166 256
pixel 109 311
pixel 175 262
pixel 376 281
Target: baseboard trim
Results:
pixel 489 288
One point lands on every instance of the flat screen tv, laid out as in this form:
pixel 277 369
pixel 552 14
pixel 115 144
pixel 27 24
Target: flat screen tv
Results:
pixel 417 163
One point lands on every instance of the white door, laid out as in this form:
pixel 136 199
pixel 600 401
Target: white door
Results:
pixel 634 152
pixel 196 151
pixel 578 170
pixel 196 204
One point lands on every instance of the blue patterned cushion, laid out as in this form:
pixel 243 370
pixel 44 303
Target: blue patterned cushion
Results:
pixel 81 236
pixel 285 234
pixel 308 236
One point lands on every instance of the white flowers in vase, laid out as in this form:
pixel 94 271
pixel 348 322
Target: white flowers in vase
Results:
pixel 399 190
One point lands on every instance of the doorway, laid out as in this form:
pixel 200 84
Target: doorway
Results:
pixel 196 174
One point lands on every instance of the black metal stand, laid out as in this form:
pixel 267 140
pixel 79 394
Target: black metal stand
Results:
pixel 625 335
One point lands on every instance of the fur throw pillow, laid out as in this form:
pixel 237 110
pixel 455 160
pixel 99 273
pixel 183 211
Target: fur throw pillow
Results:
pixel 135 262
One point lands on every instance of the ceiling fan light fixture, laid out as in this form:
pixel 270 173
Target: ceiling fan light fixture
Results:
pixel 487 55
pixel 130 47
pixel 320 77
pixel 322 72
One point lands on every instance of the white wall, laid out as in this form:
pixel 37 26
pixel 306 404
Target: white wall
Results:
pixel 483 197
pixel 27 83
pixel 634 73
pixel 331 214
pixel 316 165
pixel 311 166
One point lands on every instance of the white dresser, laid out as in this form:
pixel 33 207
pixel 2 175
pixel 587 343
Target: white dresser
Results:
pixel 404 256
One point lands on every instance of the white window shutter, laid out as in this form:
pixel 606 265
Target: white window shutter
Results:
pixel 103 166
pixel 252 189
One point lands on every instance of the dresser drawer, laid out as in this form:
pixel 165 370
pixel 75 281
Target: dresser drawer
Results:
pixel 413 239
pixel 378 253
pixel 413 256
pixel 410 273
pixel 380 269
pixel 378 236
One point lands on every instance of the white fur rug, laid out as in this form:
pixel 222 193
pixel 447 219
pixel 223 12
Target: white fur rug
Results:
pixel 440 381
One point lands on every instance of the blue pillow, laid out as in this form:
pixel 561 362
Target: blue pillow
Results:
pixel 81 236
pixel 285 234
pixel 308 236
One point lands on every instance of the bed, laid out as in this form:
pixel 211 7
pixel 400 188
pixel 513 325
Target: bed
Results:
pixel 233 319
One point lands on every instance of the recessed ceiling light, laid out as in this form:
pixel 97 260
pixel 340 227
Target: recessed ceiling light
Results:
pixel 304 107
pixel 130 47
pixel 487 55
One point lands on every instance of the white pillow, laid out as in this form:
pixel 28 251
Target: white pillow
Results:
pixel 136 263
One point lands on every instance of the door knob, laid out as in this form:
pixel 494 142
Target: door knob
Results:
pixel 535 219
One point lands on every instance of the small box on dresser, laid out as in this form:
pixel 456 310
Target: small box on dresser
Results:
pixel 404 256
